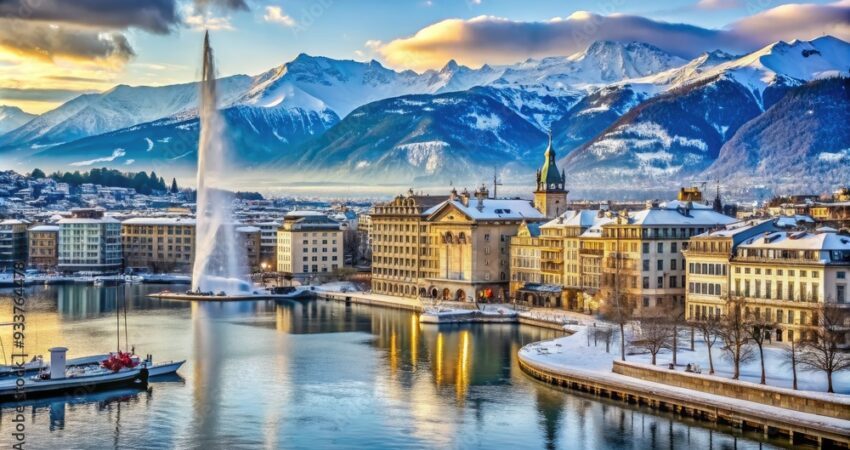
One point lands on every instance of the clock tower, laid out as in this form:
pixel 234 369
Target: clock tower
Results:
pixel 550 197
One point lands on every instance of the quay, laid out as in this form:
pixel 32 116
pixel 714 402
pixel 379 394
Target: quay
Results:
pixel 798 427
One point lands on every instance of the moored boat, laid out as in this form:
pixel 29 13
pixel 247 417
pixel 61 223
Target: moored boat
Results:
pixel 78 379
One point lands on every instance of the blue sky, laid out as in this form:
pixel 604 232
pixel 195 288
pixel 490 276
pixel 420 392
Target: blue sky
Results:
pixel 92 45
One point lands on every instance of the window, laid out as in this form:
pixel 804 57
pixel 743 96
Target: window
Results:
pixel 660 247
pixel 673 247
pixel 840 293
pixel 660 282
pixel 646 282
pixel 659 264
pixel 646 265
pixel 841 275
pixel 672 264
pixel 645 248
pixel 646 302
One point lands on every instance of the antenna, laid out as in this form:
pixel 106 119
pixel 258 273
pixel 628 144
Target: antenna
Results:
pixel 496 181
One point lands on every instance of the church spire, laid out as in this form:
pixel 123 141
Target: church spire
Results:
pixel 550 178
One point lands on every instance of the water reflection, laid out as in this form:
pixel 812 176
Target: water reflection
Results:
pixel 323 375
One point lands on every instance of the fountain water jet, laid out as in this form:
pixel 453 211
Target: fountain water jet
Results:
pixel 220 262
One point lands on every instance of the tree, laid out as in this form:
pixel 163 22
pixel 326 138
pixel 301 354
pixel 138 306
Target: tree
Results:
pixel 37 173
pixel 821 353
pixel 676 321
pixel 655 335
pixel 759 330
pixel 709 328
pixel 174 189
pixel 736 340
pixel 791 355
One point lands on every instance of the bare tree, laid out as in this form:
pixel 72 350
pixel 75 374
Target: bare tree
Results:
pixel 676 321
pixel 822 353
pixel 736 340
pixel 655 335
pixel 619 312
pixel 759 329
pixel 709 328
pixel 791 355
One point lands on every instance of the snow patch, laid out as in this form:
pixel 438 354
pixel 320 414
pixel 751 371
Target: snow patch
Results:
pixel 117 153
pixel 489 122
pixel 427 155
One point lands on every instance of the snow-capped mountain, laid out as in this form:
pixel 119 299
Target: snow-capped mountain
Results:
pixel 701 105
pixel 620 113
pixel 422 137
pixel 12 117
pixel 802 143
pixel 119 107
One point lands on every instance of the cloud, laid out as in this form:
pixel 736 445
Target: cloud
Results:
pixel 712 5
pixel 488 39
pixel 156 16
pixel 201 21
pixel 274 14
pixel 223 5
pixel 39 95
pixel 47 42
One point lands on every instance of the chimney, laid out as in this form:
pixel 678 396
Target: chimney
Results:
pixel 464 197
pixel 481 194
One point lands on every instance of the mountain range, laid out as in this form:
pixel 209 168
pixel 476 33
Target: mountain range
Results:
pixel 620 114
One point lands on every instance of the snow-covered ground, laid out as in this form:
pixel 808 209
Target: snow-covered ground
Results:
pixel 339 286
pixel 573 351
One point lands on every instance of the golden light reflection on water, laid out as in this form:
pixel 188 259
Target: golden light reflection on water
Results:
pixel 414 340
pixel 462 367
pixel 438 370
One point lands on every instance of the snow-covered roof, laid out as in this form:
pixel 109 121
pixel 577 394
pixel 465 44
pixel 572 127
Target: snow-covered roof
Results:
pixel 75 220
pixel 14 222
pixel 304 213
pixel 582 218
pixel 676 215
pixel 45 228
pixel 248 229
pixel 735 229
pixel 159 221
pixel 792 221
pixel 595 230
pixel 492 209
pixel 799 240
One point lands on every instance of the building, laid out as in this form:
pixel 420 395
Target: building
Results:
pixel 13 242
pixel 250 237
pixel 309 243
pixel 467 256
pixel 89 241
pixel 44 247
pixel 268 244
pixel 643 264
pixel 159 244
pixel 550 196
pixel 784 277
pixel 400 237
pixel 633 257
pixel 708 265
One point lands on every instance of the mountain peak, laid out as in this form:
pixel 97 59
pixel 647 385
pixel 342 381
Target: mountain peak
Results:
pixel 450 66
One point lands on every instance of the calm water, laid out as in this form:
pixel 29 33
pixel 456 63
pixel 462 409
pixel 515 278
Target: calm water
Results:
pixel 318 375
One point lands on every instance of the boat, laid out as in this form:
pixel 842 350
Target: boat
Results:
pixel 60 379
pixel 163 368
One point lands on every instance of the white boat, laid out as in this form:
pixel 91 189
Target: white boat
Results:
pixel 59 379
pixel 163 368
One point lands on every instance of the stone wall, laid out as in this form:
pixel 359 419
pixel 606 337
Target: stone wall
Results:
pixel 809 402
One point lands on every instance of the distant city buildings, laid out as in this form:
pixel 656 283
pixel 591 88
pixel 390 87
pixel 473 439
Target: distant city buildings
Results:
pixel 44 247
pixel 158 244
pixel 309 243
pixel 89 241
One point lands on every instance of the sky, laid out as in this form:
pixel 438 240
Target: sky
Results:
pixel 54 50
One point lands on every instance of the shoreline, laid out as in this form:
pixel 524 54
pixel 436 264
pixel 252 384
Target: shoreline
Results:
pixel 797 427
pixel 386 301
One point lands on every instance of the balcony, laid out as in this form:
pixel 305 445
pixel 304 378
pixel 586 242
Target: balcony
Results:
pixel 590 251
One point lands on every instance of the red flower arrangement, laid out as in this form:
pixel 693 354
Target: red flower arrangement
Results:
pixel 118 361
